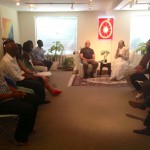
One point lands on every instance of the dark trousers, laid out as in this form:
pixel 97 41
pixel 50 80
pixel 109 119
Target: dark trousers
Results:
pixel 26 109
pixel 48 64
pixel 146 93
pixel 85 66
pixel 147 120
pixel 146 89
pixel 135 77
pixel 35 84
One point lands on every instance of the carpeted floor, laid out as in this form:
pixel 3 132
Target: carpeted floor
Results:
pixel 85 118
pixel 99 81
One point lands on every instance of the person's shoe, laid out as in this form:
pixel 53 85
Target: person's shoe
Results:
pixel 22 143
pixel 32 132
pixel 91 75
pixel 45 102
pixel 56 92
pixel 86 76
pixel 139 95
pixel 145 131
pixel 112 78
pixel 137 105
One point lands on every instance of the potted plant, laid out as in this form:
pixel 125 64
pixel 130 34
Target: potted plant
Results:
pixel 68 63
pixel 105 53
pixel 56 50
pixel 141 48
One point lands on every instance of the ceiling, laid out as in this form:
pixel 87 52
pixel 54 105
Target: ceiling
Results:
pixel 76 5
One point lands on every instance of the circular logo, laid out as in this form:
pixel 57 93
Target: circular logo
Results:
pixel 105 29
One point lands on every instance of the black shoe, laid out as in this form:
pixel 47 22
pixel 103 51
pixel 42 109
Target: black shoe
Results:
pixel 137 105
pixel 86 76
pixel 145 131
pixel 45 102
pixel 91 75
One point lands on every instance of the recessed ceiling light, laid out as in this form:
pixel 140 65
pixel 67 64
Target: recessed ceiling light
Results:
pixel 18 3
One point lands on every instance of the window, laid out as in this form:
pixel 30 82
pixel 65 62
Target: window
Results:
pixel 140 30
pixel 52 29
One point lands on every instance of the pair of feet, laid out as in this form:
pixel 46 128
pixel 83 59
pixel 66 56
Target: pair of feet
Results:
pixel 141 106
pixel 91 75
pixel 55 93
pixel 115 79
pixel 23 143
pixel 145 131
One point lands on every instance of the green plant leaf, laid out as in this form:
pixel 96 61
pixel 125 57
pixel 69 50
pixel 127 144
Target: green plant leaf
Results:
pixel 141 48
pixel 56 49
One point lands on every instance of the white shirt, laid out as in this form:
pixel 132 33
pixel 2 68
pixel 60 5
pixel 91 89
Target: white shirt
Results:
pixel 10 68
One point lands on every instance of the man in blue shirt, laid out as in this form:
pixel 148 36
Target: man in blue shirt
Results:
pixel 38 53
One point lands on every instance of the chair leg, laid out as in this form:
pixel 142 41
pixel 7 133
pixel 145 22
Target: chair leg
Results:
pixel 7 122
pixel 8 136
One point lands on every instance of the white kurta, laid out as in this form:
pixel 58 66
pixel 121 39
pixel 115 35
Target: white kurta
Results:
pixel 120 65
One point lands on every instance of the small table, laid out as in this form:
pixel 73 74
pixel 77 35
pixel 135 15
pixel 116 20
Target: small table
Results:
pixel 107 65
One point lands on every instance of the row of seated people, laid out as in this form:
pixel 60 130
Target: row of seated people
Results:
pixel 24 103
pixel 37 56
pixel 138 79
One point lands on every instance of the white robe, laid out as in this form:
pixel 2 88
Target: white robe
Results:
pixel 120 65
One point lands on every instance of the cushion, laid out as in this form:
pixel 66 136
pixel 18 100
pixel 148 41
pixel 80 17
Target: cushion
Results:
pixel 24 89
pixel 131 56
pixel 11 82
pixel 54 65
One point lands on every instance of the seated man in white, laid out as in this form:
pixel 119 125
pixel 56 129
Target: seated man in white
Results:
pixel 88 57
pixel 121 62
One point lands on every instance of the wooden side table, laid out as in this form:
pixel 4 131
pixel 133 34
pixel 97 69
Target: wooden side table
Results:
pixel 107 65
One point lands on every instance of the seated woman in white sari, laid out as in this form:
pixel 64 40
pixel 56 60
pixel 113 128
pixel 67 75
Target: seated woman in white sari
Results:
pixel 121 62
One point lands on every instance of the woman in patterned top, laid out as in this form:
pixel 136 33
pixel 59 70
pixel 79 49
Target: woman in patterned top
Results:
pixel 22 104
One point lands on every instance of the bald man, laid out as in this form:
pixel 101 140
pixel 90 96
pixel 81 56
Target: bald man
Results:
pixel 88 57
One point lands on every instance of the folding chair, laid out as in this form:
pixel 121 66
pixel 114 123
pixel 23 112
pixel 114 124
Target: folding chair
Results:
pixel 6 122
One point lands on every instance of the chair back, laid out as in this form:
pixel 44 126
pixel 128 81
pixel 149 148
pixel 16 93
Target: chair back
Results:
pixel 131 56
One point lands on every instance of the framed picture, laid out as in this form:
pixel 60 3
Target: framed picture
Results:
pixel 7 28
pixel 105 28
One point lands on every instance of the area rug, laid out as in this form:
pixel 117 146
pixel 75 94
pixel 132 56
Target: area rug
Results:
pixel 99 81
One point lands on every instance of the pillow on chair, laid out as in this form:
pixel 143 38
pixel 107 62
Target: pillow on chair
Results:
pixel 131 56
pixel 10 82
pixel 19 88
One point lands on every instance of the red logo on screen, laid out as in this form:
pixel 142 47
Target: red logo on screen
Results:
pixel 105 28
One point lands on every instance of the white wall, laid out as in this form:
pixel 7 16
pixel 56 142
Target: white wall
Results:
pixel 11 14
pixel 87 28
